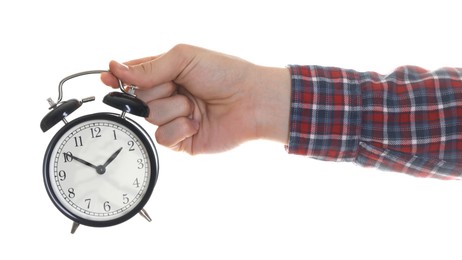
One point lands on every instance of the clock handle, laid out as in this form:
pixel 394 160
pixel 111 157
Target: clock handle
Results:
pixel 125 101
pixel 61 83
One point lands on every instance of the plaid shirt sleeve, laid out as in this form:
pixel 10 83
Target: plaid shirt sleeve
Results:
pixel 409 121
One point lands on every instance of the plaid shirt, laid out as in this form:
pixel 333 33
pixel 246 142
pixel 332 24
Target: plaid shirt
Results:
pixel 409 121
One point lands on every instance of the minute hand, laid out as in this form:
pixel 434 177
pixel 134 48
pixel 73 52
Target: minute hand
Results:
pixel 82 161
pixel 113 156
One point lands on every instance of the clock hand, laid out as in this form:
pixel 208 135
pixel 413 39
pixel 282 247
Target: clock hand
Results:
pixel 82 161
pixel 113 156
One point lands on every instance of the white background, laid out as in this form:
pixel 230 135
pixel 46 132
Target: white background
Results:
pixel 254 202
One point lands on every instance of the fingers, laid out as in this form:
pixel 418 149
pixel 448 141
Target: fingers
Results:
pixel 168 109
pixel 110 80
pixel 172 113
pixel 175 132
pixel 158 92
pixel 155 78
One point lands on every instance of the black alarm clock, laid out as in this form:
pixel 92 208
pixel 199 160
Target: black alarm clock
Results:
pixel 99 169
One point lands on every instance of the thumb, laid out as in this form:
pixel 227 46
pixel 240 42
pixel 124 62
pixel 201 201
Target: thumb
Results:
pixel 162 69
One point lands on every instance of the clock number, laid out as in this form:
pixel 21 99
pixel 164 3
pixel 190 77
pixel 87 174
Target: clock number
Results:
pixel 71 193
pixel 95 132
pixel 140 164
pixel 125 199
pixel 67 157
pixel 131 144
pixel 62 175
pixel 106 206
pixel 115 135
pixel 88 203
pixel 78 141
pixel 136 183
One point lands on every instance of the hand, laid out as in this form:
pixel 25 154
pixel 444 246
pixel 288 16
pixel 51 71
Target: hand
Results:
pixel 204 101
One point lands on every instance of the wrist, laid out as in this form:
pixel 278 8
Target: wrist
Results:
pixel 272 104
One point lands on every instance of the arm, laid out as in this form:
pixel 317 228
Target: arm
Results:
pixel 203 102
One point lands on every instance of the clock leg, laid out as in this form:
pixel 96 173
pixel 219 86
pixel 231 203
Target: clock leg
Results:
pixel 145 215
pixel 75 225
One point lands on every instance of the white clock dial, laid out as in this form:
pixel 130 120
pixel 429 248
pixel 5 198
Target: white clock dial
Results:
pixel 99 170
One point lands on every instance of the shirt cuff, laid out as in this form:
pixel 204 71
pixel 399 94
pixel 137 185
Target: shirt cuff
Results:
pixel 325 119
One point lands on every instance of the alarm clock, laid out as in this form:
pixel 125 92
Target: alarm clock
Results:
pixel 99 169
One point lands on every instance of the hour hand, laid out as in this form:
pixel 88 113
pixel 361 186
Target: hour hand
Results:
pixel 113 156
pixel 80 160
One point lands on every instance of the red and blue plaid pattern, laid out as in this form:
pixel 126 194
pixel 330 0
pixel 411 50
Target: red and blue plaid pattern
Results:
pixel 409 121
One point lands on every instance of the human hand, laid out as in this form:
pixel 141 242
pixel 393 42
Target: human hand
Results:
pixel 204 101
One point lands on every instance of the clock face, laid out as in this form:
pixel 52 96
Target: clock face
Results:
pixel 100 169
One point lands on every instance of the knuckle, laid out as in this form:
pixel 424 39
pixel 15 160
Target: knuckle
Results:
pixel 170 89
pixel 146 67
pixel 184 105
pixel 181 48
pixel 187 127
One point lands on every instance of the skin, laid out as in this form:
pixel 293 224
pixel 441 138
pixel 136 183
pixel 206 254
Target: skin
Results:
pixel 207 102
